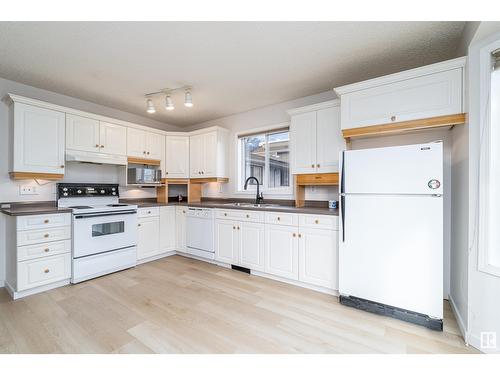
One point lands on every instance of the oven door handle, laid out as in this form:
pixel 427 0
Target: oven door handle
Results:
pixel 91 215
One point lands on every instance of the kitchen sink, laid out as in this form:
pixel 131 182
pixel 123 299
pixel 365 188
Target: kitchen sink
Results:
pixel 260 205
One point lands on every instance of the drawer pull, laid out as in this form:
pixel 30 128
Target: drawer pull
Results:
pixel 248 216
pixel 183 211
pixel 225 214
pixel 46 221
pixel 46 250
pixel 300 236
pixel 278 218
pixel 317 177
pixel 46 270
pixel 46 235
pixel 317 165
pixel 238 228
pixel 316 221
pixel 295 235
pixel 149 212
pixel 138 225
pixel 234 227
pixel 96 146
pixel 62 166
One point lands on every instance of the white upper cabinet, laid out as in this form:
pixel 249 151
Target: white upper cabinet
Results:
pixel 208 154
pixel 176 156
pixel 136 143
pixel 144 144
pixel 38 139
pixel 113 139
pixel 315 138
pixel 82 133
pixel 430 91
pixel 86 134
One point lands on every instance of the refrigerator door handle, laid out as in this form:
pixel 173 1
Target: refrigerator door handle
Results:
pixel 342 215
pixel 342 175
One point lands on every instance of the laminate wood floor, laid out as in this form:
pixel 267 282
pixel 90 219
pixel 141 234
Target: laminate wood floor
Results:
pixel 181 305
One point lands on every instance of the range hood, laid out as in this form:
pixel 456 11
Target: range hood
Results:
pixel 94 158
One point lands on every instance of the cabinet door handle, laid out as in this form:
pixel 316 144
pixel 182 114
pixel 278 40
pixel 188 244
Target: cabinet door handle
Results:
pixel 278 218
pixel 46 270
pixel 62 166
pixel 46 250
pixel 238 228
pixel 312 165
pixel 295 235
pixel 166 172
pixel 300 235
pixel 144 152
pixel 316 221
pixel 393 118
pixel 138 225
pixel 96 146
pixel 248 216
pixel 46 221
pixel 225 214
pixel 46 235
pixel 317 165
pixel 102 146
pixel 148 152
pixel 234 227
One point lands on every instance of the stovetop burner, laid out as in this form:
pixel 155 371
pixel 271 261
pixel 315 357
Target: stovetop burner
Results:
pixel 79 207
pixel 117 205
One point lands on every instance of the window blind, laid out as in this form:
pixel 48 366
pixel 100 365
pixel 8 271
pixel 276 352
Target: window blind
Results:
pixel 279 130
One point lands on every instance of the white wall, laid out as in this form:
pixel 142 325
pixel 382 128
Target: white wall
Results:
pixel 261 118
pixel 483 289
pixel 9 190
pixel 425 137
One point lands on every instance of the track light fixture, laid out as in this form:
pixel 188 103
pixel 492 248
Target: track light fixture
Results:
pixel 169 104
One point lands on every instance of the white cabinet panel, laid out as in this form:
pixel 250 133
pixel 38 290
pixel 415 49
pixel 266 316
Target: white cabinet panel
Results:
pixel 43 221
pixel 29 237
pixel 421 97
pixel 176 157
pixel 329 140
pixel 209 155
pixel 82 133
pixel 148 237
pixel 180 228
pixel 282 251
pixel 113 138
pixel 251 245
pixel 303 141
pixel 41 250
pixel 38 272
pixel 196 150
pixel 155 146
pixel 38 140
pixel 318 257
pixel 136 143
pixel 226 241
pixel 167 228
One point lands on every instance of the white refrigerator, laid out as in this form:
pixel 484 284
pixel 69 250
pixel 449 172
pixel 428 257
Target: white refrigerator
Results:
pixel 391 232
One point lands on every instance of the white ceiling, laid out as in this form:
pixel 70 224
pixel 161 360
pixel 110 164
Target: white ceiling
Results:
pixel 232 66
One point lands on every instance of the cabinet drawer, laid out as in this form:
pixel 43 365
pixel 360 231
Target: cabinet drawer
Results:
pixel 281 218
pixel 421 97
pixel 43 250
pixel 242 215
pixel 30 237
pixel 38 272
pixel 148 211
pixel 43 221
pixel 319 221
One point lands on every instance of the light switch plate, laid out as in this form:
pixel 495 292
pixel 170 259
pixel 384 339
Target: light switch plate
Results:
pixel 28 190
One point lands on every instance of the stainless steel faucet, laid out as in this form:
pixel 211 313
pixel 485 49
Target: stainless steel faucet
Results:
pixel 259 198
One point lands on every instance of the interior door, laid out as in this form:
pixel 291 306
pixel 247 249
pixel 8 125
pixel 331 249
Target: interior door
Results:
pixel 136 143
pixel 82 133
pixel 252 245
pixel 226 241
pixel 303 142
pixel 282 251
pixel 393 255
pixel 113 139
pixel 39 140
pixel 176 157
pixel 329 140
pixel 413 169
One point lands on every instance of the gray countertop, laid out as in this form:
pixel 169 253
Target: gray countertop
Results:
pixel 39 208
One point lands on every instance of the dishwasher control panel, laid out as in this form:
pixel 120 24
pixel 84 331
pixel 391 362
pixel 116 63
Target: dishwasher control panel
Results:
pixel 207 213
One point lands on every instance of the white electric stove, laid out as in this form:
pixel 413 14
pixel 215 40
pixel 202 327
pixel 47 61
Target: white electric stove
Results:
pixel 104 230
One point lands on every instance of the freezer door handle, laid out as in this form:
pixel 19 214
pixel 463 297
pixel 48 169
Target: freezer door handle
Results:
pixel 342 175
pixel 342 215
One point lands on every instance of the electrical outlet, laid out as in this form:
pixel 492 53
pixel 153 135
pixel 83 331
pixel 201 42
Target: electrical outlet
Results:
pixel 28 190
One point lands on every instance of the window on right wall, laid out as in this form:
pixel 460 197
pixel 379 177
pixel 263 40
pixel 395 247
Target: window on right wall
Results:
pixel 489 170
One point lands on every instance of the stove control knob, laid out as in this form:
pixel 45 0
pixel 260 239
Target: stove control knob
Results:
pixel 113 189
pixel 79 191
pixel 102 191
pixel 65 194
pixel 65 189
pixel 114 193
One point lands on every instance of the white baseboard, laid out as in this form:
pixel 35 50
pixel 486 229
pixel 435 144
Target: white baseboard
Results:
pixel 316 288
pixel 40 289
pixel 156 257
pixel 458 318
pixel 2 283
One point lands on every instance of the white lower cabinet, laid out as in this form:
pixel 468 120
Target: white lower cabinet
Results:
pixel 282 251
pixel 318 257
pixel 251 245
pixel 226 241
pixel 148 237
pixel 180 228
pixel 167 228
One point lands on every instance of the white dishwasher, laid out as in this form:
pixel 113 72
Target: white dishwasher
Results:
pixel 200 232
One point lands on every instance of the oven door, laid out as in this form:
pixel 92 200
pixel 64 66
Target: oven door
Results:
pixel 95 233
